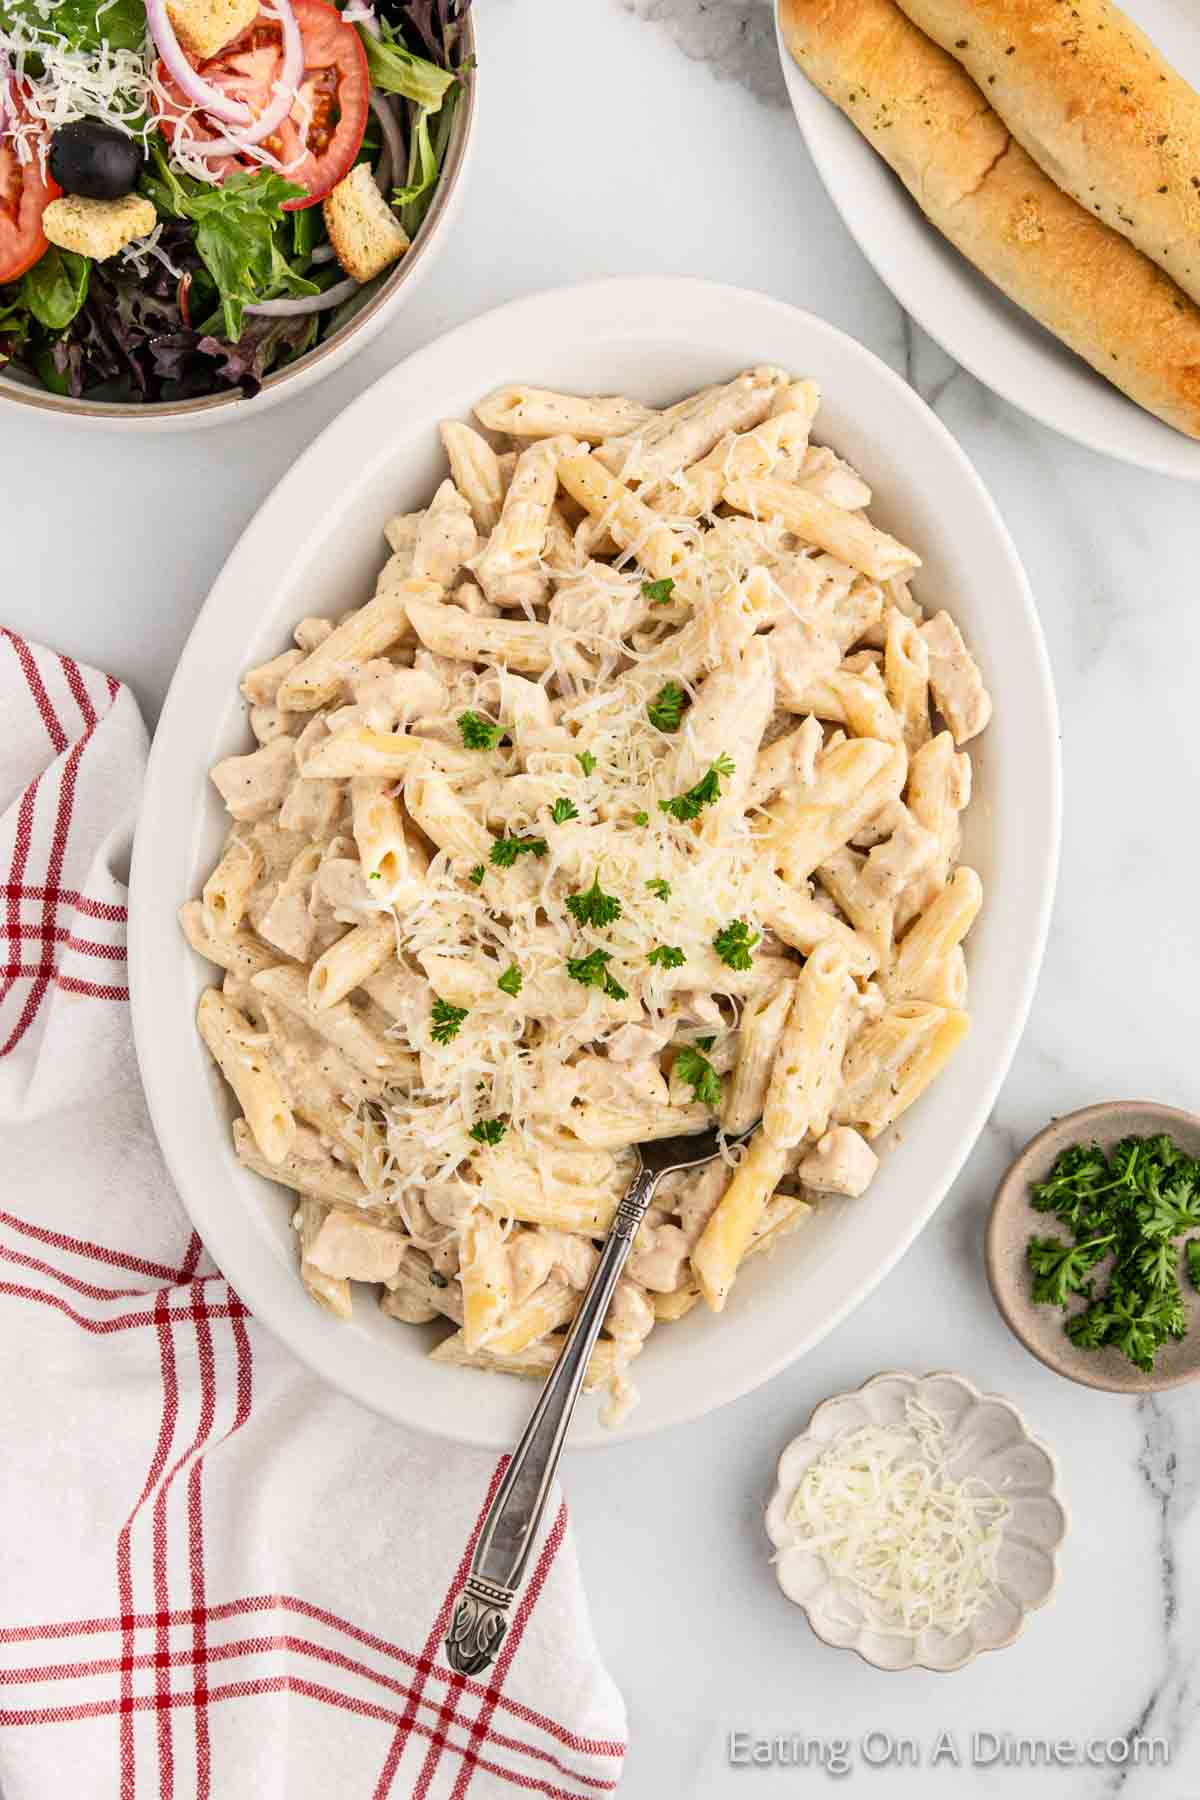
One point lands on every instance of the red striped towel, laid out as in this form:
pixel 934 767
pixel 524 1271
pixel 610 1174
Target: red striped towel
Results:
pixel 217 1577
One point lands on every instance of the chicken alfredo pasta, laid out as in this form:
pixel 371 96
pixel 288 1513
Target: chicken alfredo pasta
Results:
pixel 631 798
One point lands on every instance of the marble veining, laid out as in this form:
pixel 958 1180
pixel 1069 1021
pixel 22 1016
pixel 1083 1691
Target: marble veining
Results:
pixel 1169 1465
pixel 736 38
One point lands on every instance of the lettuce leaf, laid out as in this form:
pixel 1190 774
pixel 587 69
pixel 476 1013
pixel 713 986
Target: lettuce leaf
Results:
pixel 394 68
pixel 236 233
pixel 56 287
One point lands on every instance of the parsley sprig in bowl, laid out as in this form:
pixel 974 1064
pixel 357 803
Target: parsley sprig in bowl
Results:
pixel 1093 1246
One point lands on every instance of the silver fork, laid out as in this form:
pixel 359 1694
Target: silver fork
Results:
pixel 481 1615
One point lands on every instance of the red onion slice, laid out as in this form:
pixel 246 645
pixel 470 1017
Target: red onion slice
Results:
pixel 392 159
pixel 199 92
pixel 286 89
pixel 361 12
pixel 308 303
pixel 5 79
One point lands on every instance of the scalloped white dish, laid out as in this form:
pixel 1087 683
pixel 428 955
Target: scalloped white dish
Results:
pixel 986 1437
pixel 972 320
pixel 316 547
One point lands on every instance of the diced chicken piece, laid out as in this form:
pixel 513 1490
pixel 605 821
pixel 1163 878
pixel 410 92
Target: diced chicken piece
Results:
pixel 352 1249
pixel 906 853
pixel 449 1202
pixel 694 1196
pixel 340 886
pixel 842 1162
pixel 311 807
pixel 329 1291
pixel 401 531
pixel 446 537
pixel 630 1315
pixel 387 697
pixel 253 786
pixel 955 680
pixel 537 1254
pixel 801 656
pixel 407 1304
pixel 287 923
pixel 658 1255
pixel 311 632
pixel 602 1082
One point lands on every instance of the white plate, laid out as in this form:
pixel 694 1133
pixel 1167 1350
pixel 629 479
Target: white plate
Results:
pixel 998 343
pixel 316 547
pixel 987 1438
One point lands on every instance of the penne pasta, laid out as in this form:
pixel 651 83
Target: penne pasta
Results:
pixel 617 810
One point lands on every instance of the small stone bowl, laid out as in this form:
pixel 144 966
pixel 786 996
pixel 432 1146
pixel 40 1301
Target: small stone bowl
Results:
pixel 1014 1221
pixel 986 1436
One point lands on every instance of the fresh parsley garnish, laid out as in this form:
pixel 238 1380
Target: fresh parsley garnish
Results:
pixel 1059 1268
pixel 592 906
pixel 586 761
pixel 592 971
pixel 1129 1207
pixel 705 1043
pixel 700 1076
pixel 734 942
pixel 665 711
pixel 510 981
pixel 506 850
pixel 563 810
pixel 659 888
pixel 667 956
pixel 690 805
pixel 658 593
pixel 447 1021
pixel 375 875
pixel 1192 1253
pixel 477 874
pixel 479 733
pixel 488 1131
pixel 641 818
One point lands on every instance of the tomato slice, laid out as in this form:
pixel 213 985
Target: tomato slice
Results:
pixel 25 193
pixel 319 140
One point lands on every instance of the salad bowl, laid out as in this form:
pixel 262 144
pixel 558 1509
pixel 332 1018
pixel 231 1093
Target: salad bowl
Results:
pixel 317 546
pixel 81 334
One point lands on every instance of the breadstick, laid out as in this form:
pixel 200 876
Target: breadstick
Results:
pixel 930 122
pixel 1100 111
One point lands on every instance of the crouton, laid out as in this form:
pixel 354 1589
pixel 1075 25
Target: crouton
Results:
pixel 205 26
pixel 98 228
pixel 363 229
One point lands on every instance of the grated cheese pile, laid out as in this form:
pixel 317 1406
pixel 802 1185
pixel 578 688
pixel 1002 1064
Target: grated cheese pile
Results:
pixel 912 1549
pixel 58 84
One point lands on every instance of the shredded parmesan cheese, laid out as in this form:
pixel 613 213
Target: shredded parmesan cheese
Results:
pixel 58 84
pixel 911 1549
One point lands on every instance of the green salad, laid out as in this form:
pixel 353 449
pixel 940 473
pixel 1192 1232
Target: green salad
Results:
pixel 196 192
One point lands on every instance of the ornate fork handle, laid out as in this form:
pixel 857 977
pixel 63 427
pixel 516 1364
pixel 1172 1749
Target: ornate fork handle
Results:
pixel 481 1614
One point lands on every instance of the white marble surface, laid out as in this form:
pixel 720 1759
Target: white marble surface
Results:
pixel 651 136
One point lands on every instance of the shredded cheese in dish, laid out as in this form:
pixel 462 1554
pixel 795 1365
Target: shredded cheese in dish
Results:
pixel 911 1548
pixel 629 803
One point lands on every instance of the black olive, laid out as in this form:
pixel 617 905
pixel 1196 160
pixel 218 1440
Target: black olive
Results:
pixel 94 160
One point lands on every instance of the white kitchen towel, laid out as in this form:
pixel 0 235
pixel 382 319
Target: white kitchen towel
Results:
pixel 217 1577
